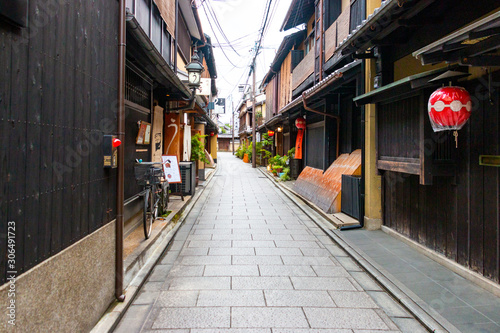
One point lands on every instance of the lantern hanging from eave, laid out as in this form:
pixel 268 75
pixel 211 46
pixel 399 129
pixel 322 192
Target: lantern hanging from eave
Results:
pixel 300 123
pixel 449 109
pixel 270 133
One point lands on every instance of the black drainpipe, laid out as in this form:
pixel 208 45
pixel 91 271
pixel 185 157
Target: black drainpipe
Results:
pixel 121 158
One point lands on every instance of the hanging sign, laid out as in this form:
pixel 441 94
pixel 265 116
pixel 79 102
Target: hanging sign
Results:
pixel 171 169
pixel 300 122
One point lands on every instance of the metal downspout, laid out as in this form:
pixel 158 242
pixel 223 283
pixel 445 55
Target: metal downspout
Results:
pixel 337 118
pixel 121 158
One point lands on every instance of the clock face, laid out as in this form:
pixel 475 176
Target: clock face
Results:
pixel 194 77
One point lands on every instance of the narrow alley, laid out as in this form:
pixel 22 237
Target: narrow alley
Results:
pixel 248 259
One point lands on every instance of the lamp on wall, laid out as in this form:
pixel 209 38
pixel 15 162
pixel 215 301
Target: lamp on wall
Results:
pixel 194 69
pixel 279 129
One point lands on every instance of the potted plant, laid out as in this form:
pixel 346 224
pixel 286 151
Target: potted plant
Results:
pixel 198 151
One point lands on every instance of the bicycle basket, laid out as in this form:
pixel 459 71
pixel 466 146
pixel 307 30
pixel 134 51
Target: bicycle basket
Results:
pixel 147 174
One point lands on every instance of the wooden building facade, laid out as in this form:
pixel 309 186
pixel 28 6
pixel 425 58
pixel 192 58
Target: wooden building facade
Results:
pixel 437 191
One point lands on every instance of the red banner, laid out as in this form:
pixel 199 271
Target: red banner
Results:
pixel 298 144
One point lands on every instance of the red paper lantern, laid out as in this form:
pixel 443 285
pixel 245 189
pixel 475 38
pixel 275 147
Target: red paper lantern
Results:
pixel 116 142
pixel 300 123
pixel 270 133
pixel 449 108
pixel 211 133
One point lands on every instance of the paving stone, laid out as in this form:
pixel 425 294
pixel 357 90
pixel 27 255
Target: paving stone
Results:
pixel 390 306
pixel 210 243
pixel 160 273
pixel 230 251
pixel 278 251
pixel 232 330
pixel 288 270
pixel 253 244
pixel 272 237
pixel 200 317
pixel 331 271
pixel 322 283
pixel 344 318
pixel 177 298
pixel 232 237
pixel 257 260
pixel 353 299
pixel 310 252
pixel 301 244
pixel 200 283
pixel 199 237
pixel 181 270
pixel 211 231
pixel 313 330
pixel 305 237
pixel 206 260
pixel 146 297
pixel 134 319
pixel 231 298
pixel 366 281
pixel 250 317
pixel 349 264
pixel 316 261
pixel 262 282
pixel 194 251
pixel 407 325
pixel 231 270
pixel 298 298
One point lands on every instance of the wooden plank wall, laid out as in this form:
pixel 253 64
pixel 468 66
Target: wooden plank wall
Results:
pixel 57 86
pixel 270 109
pixel 303 70
pixel 285 90
pixel 459 218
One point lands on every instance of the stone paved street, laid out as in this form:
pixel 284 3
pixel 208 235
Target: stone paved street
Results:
pixel 249 260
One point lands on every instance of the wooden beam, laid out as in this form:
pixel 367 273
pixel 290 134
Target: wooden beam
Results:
pixel 403 167
pixel 483 60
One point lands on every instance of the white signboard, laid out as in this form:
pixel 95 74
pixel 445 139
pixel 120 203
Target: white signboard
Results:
pixel 204 88
pixel 171 169
pixel 219 106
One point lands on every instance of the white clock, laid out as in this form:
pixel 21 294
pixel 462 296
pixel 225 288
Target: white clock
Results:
pixel 194 78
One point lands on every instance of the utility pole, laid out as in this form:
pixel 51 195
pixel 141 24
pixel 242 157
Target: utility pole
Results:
pixel 254 138
pixel 232 127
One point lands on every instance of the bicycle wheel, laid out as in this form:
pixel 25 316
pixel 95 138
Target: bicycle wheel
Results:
pixel 148 212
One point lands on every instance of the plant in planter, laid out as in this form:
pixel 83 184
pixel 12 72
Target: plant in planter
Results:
pixel 198 151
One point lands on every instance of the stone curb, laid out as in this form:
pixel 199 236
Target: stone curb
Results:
pixel 428 317
pixel 115 312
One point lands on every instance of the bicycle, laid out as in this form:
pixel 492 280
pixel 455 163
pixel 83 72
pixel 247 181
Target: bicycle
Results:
pixel 156 192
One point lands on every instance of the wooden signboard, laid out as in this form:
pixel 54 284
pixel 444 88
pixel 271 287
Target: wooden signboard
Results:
pixel 172 128
pixel 171 169
pixel 157 134
pixel 144 135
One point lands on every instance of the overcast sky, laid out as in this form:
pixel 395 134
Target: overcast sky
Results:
pixel 241 20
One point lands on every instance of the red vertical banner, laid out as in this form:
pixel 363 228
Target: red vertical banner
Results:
pixel 298 144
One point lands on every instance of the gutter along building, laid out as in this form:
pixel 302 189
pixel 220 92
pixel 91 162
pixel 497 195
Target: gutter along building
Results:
pixel 58 97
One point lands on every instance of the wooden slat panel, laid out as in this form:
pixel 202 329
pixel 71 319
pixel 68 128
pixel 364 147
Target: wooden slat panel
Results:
pixel 343 24
pixel 303 70
pixel 491 190
pixel 167 10
pixel 476 192
pixel 17 146
pixel 58 121
pixel 330 41
pixel 35 92
pixel 69 144
pixel 285 91
pixel 5 130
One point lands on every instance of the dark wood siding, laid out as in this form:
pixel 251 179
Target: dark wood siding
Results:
pixel 57 91
pixel 458 217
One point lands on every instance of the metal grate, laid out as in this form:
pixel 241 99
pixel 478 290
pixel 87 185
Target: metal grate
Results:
pixel 138 87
